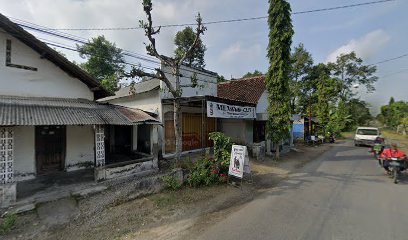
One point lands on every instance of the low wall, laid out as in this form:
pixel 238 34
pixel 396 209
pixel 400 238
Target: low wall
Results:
pixel 138 168
pixel 8 193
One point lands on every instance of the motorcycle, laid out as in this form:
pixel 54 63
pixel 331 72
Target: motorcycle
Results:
pixel 377 150
pixel 396 166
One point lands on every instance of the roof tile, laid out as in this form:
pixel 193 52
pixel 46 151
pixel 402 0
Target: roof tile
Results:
pixel 245 89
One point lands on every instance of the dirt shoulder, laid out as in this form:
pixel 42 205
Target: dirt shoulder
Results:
pixel 168 215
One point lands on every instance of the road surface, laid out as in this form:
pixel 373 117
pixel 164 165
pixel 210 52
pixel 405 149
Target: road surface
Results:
pixel 342 195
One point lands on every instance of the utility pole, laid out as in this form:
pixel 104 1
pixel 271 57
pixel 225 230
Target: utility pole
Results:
pixel 310 115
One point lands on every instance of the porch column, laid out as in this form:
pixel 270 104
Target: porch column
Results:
pixel 99 146
pixel 7 185
pixel 155 145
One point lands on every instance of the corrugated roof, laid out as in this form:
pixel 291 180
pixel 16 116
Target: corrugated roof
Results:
pixel 28 111
pixel 52 55
pixel 141 87
pixel 246 89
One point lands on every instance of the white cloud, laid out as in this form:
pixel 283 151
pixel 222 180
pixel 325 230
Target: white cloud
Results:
pixel 365 47
pixel 239 58
pixel 236 52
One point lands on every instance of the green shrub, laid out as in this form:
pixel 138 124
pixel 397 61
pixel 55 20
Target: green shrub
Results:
pixel 213 171
pixel 171 183
pixel 8 223
pixel 222 146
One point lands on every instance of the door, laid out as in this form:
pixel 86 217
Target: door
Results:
pixel 50 148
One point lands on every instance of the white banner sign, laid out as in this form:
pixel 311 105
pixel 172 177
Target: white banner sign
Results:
pixel 239 162
pixel 222 110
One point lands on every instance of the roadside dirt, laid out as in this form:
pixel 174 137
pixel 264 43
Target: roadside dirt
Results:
pixel 168 215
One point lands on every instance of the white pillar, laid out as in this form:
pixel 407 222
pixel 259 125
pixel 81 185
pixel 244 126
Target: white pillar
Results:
pixel 134 137
pixel 99 145
pixel 7 185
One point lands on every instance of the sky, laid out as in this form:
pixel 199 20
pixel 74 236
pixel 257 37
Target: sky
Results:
pixel 375 32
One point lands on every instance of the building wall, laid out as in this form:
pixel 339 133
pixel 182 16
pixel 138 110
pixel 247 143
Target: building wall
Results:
pixel 262 105
pixel 298 131
pixel 207 83
pixel 24 153
pixel 240 131
pixel 80 147
pixel 147 101
pixel 48 81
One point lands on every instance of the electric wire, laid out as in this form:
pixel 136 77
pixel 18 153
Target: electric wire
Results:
pixel 223 21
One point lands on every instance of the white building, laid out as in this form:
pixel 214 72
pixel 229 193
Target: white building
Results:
pixel 201 109
pixel 50 122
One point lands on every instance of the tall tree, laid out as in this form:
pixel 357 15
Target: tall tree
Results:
pixel 252 74
pixel 327 91
pixel 301 63
pixel 184 40
pixel 277 78
pixel 359 112
pixel 174 87
pixel 350 70
pixel 105 62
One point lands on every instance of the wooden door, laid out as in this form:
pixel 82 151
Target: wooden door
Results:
pixel 170 137
pixel 50 148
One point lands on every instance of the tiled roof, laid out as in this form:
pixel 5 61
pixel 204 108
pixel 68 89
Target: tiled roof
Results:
pixel 246 89
pixel 30 111
pixel 141 87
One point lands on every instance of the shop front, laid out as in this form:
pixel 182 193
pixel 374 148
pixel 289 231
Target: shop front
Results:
pixel 202 115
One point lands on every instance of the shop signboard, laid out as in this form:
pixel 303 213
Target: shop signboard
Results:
pixel 223 110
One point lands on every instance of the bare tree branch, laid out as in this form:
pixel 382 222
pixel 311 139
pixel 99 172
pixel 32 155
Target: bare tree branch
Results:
pixel 150 32
pixel 136 72
pixel 199 30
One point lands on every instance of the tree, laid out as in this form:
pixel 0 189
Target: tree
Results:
pixel 174 64
pixel 301 63
pixel 327 91
pixel 184 40
pixel 359 112
pixel 394 112
pixel 252 74
pixel 350 70
pixel 105 62
pixel 221 78
pixel 277 78
pixel 339 118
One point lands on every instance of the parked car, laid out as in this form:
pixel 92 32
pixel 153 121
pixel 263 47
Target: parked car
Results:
pixel 366 136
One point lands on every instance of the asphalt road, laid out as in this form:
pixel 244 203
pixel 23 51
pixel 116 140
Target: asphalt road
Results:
pixel 342 195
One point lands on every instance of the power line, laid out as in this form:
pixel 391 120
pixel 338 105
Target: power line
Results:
pixel 80 40
pixel 390 59
pixel 223 21
pixel 54 44
pixel 394 73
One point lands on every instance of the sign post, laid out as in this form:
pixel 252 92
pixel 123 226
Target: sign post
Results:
pixel 239 163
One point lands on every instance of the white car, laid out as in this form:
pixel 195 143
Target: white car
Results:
pixel 366 136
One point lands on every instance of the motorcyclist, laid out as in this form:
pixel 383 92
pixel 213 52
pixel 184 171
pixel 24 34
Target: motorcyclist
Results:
pixel 378 146
pixel 392 152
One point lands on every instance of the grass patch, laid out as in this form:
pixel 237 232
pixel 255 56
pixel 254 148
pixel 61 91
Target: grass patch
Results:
pixel 346 135
pixel 164 200
pixel 392 136
pixel 7 223
pixel 171 183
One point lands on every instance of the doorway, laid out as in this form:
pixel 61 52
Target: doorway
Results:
pixel 50 149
